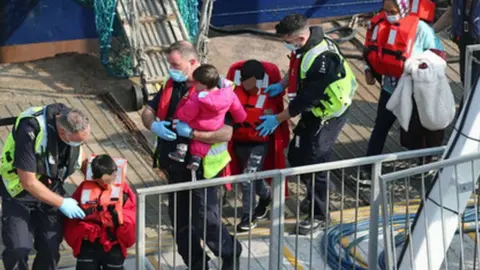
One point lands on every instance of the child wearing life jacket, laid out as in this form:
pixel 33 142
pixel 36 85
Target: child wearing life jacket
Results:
pixel 205 110
pixel 394 35
pixel 100 241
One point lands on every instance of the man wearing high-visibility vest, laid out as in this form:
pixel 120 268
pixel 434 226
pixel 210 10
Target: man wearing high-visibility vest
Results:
pixel 41 152
pixel 158 117
pixel 321 86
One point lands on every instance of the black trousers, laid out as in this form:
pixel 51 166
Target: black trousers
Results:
pixel 312 144
pixel 204 208
pixel 93 257
pixel 24 223
pixel 383 123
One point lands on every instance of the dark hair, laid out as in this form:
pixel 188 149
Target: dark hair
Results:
pixel 252 68
pixel 103 164
pixel 291 24
pixel 185 48
pixel 207 75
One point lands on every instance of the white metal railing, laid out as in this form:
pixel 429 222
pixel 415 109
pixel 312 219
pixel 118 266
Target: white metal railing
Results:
pixel 407 257
pixel 276 243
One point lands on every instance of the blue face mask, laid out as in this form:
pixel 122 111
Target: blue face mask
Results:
pixel 177 75
pixel 74 144
pixel 290 47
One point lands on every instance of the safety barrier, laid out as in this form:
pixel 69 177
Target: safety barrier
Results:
pixel 403 248
pixel 262 252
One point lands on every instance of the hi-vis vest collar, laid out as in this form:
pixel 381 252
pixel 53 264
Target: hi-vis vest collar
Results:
pixel 47 165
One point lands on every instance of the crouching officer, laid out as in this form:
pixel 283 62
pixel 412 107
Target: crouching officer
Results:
pixel 42 150
pixel 324 85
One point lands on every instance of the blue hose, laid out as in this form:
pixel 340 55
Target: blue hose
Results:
pixel 334 234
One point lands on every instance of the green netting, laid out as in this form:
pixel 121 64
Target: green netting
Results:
pixel 115 52
pixel 189 11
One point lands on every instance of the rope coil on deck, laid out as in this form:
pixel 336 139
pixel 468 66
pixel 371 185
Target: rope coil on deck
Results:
pixel 340 256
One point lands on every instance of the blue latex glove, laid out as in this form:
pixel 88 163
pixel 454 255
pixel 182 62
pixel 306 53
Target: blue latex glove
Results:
pixel 274 89
pixel 270 123
pixel 183 129
pixel 71 209
pixel 160 129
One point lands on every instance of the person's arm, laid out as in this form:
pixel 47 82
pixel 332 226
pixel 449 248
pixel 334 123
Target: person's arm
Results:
pixel 321 74
pixel 284 81
pixel 444 20
pixel 224 134
pixel 428 38
pixel 26 163
pixel 149 113
pixel 237 111
pixel 126 233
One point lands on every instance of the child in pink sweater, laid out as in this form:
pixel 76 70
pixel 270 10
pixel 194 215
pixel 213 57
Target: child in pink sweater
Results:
pixel 205 110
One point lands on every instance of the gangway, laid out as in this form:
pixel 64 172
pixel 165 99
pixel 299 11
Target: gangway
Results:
pixel 150 27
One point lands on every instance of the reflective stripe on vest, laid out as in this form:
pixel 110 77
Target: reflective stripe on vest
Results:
pixel 8 171
pixel 340 92
pixel 215 160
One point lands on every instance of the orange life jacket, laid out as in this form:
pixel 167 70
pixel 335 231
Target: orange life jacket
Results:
pixel 293 73
pixel 99 202
pixel 389 45
pixel 255 106
pixel 164 102
pixel 424 9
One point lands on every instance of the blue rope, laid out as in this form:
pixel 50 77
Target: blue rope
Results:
pixel 333 236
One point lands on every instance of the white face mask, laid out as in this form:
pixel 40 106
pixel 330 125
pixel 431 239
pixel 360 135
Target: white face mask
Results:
pixel 393 18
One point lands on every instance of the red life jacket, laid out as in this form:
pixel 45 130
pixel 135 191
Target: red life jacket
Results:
pixel 424 9
pixel 164 103
pixel 293 71
pixel 255 106
pixel 99 202
pixel 389 45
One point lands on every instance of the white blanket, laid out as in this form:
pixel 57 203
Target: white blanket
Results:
pixel 432 92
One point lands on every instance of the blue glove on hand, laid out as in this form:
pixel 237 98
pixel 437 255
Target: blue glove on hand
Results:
pixel 71 209
pixel 274 89
pixel 183 129
pixel 268 126
pixel 160 129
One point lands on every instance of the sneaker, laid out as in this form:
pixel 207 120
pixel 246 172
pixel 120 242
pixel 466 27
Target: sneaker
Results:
pixel 306 226
pixel 194 163
pixel 261 211
pixel 180 154
pixel 245 225
pixel 365 178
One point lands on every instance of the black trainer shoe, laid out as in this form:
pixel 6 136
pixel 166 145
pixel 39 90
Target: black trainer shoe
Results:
pixel 306 226
pixel 194 163
pixel 180 154
pixel 245 225
pixel 261 211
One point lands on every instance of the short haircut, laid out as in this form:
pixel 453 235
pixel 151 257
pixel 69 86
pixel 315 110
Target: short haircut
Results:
pixel 207 75
pixel 252 68
pixel 291 24
pixel 186 49
pixel 73 121
pixel 103 164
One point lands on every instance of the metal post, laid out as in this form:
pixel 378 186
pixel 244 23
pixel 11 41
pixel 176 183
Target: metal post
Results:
pixel 387 236
pixel 140 246
pixel 468 73
pixel 277 223
pixel 375 200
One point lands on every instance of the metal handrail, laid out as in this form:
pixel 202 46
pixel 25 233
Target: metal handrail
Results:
pixel 428 167
pixel 236 179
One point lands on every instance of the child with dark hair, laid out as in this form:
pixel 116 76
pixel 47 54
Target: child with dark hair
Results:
pixel 100 241
pixel 205 111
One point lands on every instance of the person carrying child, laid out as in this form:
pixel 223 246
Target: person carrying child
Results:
pixel 205 110
pixel 100 241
